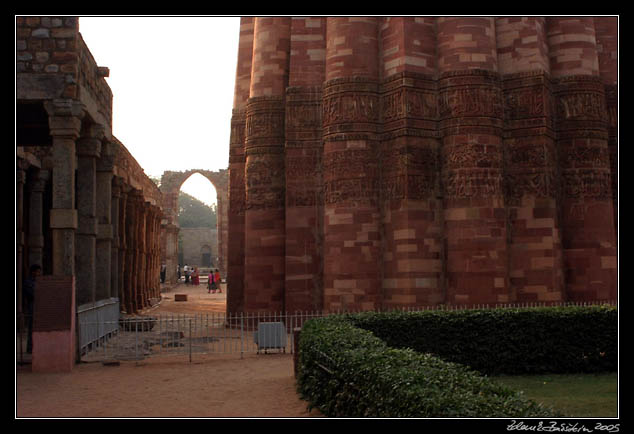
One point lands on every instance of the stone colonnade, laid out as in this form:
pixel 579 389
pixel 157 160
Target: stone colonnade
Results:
pixel 381 162
pixel 85 211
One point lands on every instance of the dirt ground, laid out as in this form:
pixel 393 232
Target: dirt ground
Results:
pixel 211 386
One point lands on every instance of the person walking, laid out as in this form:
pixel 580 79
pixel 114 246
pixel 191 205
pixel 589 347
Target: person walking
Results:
pixel 217 280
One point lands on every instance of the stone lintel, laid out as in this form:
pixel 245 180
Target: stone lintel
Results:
pixel 63 219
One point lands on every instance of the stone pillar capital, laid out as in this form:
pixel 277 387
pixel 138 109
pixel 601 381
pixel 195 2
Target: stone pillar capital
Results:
pixel 38 184
pixel 65 117
pixel 89 144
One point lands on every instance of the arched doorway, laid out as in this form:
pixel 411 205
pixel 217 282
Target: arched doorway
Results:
pixel 171 185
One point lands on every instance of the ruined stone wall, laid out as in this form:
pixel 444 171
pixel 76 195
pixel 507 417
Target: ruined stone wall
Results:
pixel 195 242
pixel 402 161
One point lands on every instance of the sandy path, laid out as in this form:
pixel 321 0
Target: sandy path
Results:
pixel 210 386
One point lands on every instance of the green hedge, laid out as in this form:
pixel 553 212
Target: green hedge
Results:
pixel 346 371
pixel 507 341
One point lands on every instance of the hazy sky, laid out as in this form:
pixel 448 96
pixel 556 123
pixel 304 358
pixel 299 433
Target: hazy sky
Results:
pixel 172 80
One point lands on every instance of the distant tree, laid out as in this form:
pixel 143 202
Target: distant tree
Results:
pixel 192 213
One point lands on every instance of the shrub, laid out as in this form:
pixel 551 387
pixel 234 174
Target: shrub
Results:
pixel 346 371
pixel 507 341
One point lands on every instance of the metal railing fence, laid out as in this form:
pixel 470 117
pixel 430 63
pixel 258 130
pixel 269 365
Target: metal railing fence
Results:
pixel 138 337
pixel 135 338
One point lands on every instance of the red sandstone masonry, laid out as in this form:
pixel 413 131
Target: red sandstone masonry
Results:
pixel 237 198
pixel 264 168
pixel 572 46
pixel 606 29
pixel 471 126
pixel 411 214
pixel 535 256
pixel 521 44
pixel 303 151
pixel 466 43
pixel 588 235
pixel 391 88
pixel 351 167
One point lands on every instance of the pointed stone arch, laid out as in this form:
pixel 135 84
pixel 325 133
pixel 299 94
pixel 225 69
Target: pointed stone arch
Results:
pixel 171 183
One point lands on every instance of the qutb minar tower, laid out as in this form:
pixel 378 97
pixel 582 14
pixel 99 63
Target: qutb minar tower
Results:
pixel 388 162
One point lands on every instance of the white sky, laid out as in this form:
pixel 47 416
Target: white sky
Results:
pixel 172 80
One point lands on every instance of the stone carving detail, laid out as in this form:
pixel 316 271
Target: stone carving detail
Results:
pixel 470 101
pixel 346 107
pixel 352 192
pixel 264 122
pixel 303 110
pixel 264 182
pixel 580 102
pixel 585 156
pixel 581 106
pixel 472 155
pixel 473 183
pixel 539 184
pixel 525 103
pixel 409 103
pixel 587 183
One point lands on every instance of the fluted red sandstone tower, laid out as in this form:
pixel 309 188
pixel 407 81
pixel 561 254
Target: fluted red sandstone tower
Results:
pixel 381 162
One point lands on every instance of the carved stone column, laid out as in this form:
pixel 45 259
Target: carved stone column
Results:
pixel 530 161
pixel 141 254
pixel 411 208
pixel 170 246
pixel 36 217
pixel 588 233
pixel 130 279
pixel 471 116
pixel 264 167
pixel 115 211
pixel 303 152
pixel 103 266
pixel 20 178
pixel 606 30
pixel 352 238
pixel 123 250
pixel 236 188
pixel 88 151
pixel 65 126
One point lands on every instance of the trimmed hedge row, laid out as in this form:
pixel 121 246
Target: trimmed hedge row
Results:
pixel 346 371
pixel 507 341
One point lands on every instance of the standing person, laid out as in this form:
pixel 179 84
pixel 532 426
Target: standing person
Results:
pixel 28 291
pixel 217 279
pixel 187 272
pixel 196 277
pixel 178 272
pixel 210 282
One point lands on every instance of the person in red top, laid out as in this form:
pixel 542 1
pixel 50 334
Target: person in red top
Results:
pixel 217 280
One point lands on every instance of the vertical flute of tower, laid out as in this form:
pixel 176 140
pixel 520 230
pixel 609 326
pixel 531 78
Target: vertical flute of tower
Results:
pixel 530 161
pixel 264 167
pixel 606 30
pixel 588 234
pixel 411 211
pixel 351 249
pixel 304 198
pixel 235 248
pixel 470 100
